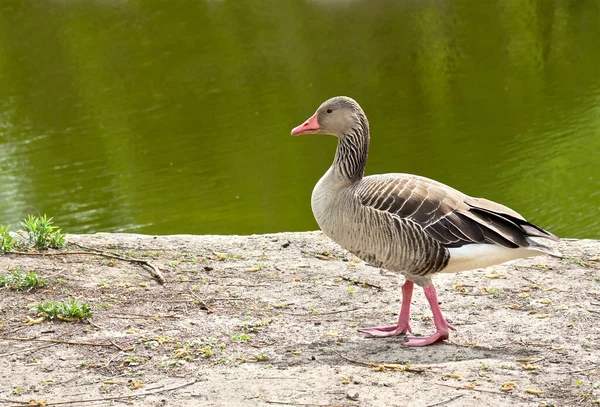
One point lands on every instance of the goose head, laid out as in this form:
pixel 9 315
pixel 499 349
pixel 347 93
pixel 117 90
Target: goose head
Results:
pixel 336 116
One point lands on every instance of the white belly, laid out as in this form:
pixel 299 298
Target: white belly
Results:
pixel 474 256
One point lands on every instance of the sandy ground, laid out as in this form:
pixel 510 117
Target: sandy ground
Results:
pixel 272 320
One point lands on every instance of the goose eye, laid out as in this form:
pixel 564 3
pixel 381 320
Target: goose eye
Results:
pixel 329 110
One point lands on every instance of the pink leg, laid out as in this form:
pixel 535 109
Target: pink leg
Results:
pixel 441 325
pixel 403 325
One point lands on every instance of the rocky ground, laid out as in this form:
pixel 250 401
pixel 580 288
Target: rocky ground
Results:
pixel 272 320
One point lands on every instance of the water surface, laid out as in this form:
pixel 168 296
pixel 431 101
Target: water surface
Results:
pixel 173 117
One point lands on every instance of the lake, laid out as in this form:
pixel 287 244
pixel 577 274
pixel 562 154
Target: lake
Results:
pixel 163 117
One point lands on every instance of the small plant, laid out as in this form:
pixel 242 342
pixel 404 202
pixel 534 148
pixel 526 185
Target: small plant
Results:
pixel 20 280
pixel 240 337
pixel 7 243
pixel 66 310
pixel 171 364
pixel 572 260
pixel 43 234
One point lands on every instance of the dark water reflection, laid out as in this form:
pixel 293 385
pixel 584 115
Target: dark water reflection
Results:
pixel 174 117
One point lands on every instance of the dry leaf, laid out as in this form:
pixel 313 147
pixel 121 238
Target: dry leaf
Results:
pixel 508 386
pixel 546 301
pixel 136 385
pixel 534 391
pixel 494 275
pixel 67 319
pixel 542 316
pixel 390 366
pixel 453 376
pixel 527 360
pixel 31 321
pixel 529 367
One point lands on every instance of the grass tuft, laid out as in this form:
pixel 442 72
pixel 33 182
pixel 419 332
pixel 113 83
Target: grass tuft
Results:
pixel 20 280
pixel 43 234
pixel 7 243
pixel 65 310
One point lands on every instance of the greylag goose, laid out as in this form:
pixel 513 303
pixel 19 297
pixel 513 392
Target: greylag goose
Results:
pixel 408 224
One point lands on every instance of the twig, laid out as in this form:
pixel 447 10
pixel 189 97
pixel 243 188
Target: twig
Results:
pixel 56 341
pixel 229 299
pixel 56 403
pixel 130 316
pixel 541 345
pixel 22 403
pixel 529 280
pixel 49 254
pixel 203 304
pixel 291 403
pixel 595 311
pixel 154 271
pixel 28 350
pixel 357 282
pixel 94 324
pixel 481 390
pixel 117 346
pixel 578 370
pixel 533 267
pixel 441 403
pixel 322 313
pixel 387 366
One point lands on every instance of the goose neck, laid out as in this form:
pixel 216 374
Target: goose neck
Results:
pixel 352 152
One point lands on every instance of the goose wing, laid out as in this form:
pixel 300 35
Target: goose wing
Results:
pixel 447 215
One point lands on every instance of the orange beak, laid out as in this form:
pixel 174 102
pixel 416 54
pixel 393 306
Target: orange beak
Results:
pixel 311 126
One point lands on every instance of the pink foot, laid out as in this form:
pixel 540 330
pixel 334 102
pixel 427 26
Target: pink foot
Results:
pixel 403 325
pixel 441 325
pixel 426 340
pixel 438 336
pixel 385 331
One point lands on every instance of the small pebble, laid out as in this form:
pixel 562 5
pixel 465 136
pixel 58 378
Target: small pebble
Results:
pixel 352 395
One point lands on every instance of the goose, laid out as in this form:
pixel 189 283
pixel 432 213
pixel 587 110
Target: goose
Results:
pixel 408 224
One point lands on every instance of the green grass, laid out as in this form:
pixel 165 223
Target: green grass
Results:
pixel 20 280
pixel 7 243
pixel 42 233
pixel 70 310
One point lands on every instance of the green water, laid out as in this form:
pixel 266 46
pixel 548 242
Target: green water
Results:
pixel 166 117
